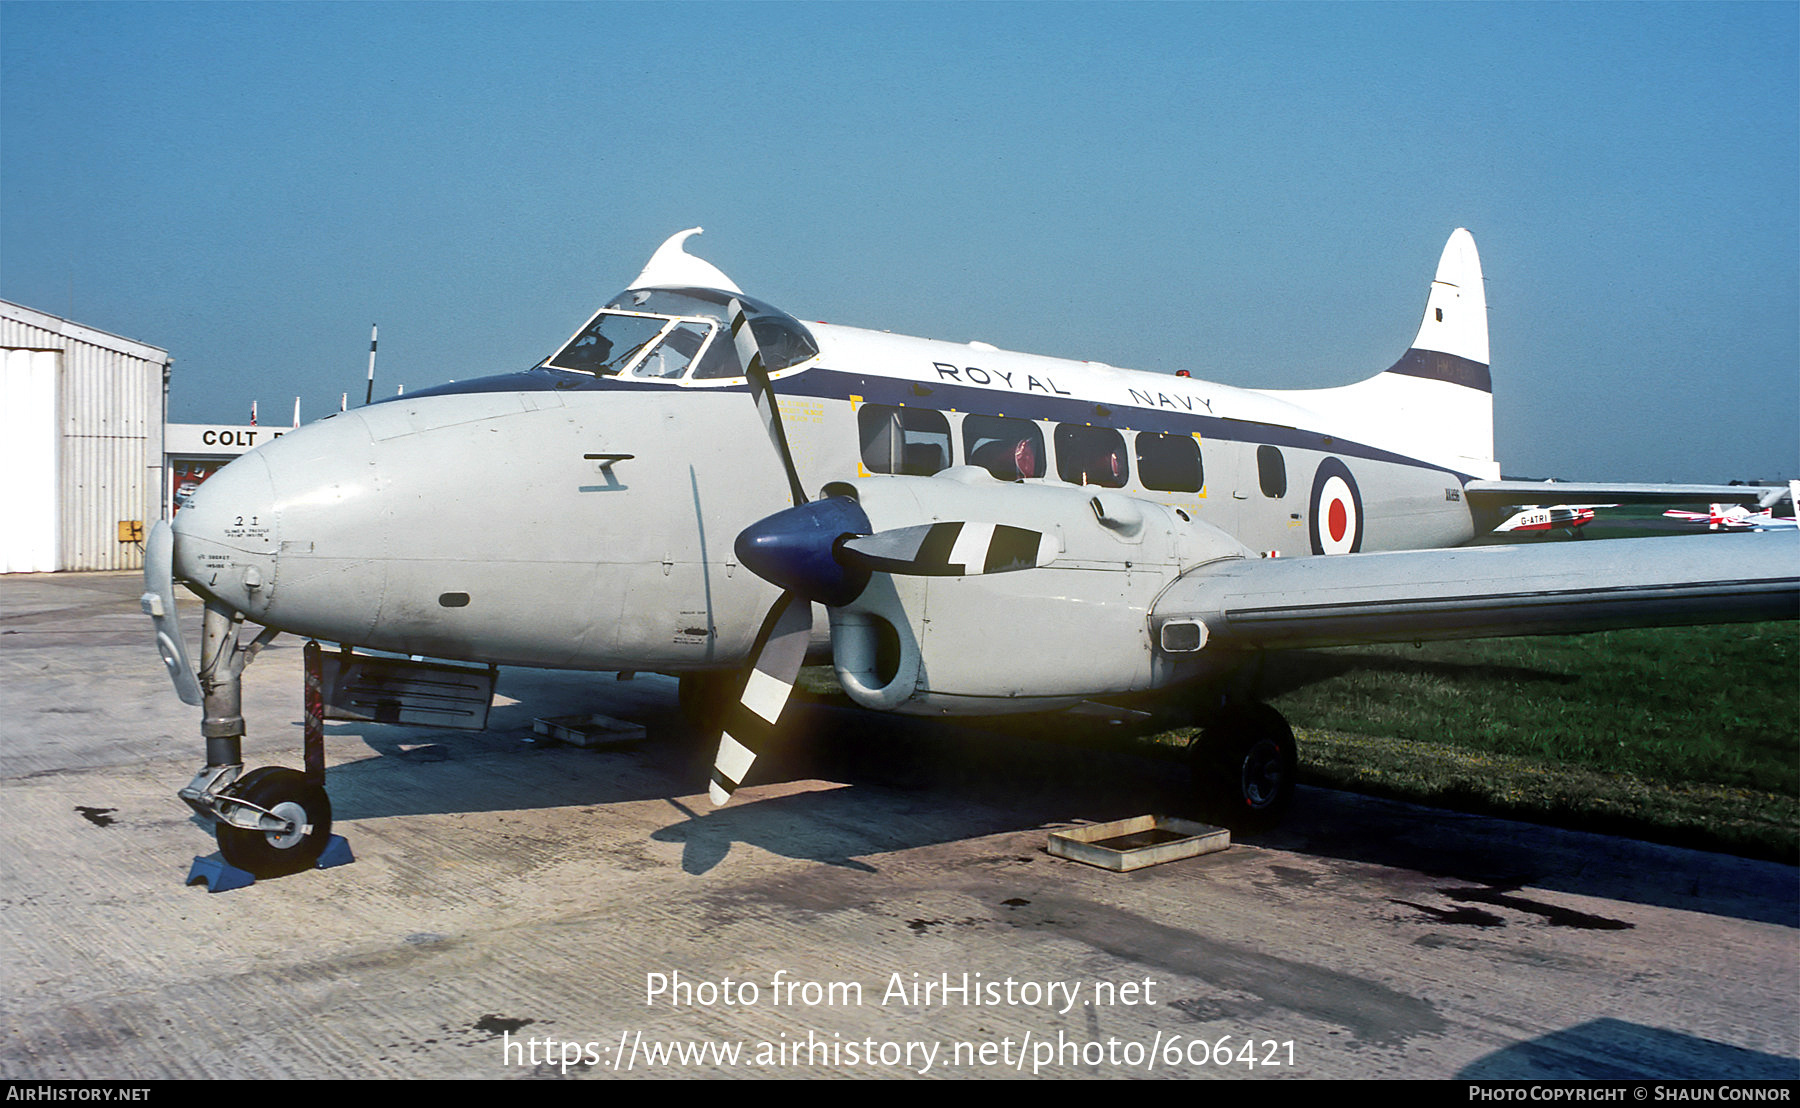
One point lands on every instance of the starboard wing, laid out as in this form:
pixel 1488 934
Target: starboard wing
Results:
pixel 1481 592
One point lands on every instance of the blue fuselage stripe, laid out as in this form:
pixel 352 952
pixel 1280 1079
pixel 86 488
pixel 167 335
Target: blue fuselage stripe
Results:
pixel 831 384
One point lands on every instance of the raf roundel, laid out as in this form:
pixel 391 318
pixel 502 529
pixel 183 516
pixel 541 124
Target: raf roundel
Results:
pixel 1335 515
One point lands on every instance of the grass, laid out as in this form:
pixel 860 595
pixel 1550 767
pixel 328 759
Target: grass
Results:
pixel 1686 735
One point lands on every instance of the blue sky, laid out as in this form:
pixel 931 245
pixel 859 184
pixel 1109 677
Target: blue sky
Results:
pixel 1254 192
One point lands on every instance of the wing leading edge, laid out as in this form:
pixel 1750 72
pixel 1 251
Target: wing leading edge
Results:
pixel 1497 493
pixel 1483 592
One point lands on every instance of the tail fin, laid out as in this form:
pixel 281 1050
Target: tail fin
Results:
pixel 1452 344
pixel 1436 403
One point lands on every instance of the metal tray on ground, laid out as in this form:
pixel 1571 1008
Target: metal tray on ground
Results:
pixel 1140 841
pixel 588 730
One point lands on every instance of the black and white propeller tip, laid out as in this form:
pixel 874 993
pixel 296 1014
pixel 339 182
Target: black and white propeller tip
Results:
pixel 780 649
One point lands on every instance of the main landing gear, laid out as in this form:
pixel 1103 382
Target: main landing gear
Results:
pixel 270 821
pixel 1244 766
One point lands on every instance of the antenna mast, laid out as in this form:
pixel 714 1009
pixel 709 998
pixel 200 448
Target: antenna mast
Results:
pixel 369 396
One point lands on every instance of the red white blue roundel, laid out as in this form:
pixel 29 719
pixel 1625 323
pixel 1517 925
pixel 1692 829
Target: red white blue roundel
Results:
pixel 1335 515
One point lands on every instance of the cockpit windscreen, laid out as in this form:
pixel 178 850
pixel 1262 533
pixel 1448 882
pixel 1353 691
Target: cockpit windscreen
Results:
pixel 665 333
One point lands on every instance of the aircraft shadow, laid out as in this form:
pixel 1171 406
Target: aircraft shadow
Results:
pixel 907 783
pixel 1615 1050
pixel 904 783
pixel 1289 671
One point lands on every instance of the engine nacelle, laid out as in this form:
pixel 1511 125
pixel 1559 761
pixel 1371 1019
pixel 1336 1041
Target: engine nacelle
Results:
pixel 1030 640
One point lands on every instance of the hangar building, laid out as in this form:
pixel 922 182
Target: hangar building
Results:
pixel 81 444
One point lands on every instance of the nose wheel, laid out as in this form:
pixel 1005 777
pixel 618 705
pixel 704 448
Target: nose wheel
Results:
pixel 273 822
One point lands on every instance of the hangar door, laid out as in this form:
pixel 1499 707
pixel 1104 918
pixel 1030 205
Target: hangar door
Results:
pixel 28 450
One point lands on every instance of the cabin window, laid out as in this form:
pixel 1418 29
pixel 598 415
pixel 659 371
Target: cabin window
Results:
pixel 1271 472
pixel 1007 448
pixel 1169 463
pixel 1090 455
pixel 913 441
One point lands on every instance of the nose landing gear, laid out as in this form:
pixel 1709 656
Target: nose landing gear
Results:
pixel 288 817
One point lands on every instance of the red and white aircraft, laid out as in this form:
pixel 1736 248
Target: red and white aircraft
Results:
pixel 1736 517
pixel 1569 516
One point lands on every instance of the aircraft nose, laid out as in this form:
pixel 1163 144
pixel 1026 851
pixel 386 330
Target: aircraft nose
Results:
pixel 292 534
pixel 228 534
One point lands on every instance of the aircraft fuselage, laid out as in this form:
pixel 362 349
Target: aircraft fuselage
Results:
pixel 559 519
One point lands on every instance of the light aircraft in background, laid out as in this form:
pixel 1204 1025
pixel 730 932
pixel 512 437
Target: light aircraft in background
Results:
pixel 1555 517
pixel 698 483
pixel 1738 517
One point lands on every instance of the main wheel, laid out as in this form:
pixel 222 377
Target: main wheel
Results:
pixel 1246 765
pixel 292 796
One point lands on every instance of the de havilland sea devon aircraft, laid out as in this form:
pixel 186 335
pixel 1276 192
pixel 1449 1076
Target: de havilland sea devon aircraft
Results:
pixel 699 484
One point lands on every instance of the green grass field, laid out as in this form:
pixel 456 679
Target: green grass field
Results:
pixel 1686 734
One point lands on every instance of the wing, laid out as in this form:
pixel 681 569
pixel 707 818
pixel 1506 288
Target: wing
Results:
pixel 1497 494
pixel 1478 592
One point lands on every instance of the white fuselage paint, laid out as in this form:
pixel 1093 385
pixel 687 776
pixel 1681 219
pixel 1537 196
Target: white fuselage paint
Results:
pixel 473 526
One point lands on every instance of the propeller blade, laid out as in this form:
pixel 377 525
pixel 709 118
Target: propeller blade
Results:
pixel 780 648
pixel 744 338
pixel 954 549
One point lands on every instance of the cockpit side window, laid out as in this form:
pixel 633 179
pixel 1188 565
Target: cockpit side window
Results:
pixel 720 359
pixel 781 346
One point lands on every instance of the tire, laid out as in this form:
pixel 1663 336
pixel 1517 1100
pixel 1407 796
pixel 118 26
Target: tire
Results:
pixel 289 794
pixel 1246 766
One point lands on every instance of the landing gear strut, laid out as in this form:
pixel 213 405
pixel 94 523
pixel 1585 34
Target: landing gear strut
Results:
pixel 271 821
pixel 1245 765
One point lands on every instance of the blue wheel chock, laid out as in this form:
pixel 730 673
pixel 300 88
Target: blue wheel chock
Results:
pixel 220 876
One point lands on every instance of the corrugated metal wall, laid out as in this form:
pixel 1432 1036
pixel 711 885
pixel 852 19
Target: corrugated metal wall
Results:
pixel 110 431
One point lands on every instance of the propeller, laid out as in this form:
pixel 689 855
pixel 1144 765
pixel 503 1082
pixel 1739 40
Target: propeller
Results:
pixel 750 354
pixel 825 551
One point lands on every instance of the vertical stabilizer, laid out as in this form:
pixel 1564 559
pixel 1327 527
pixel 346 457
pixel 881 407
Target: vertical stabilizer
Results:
pixel 1436 403
pixel 1455 322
